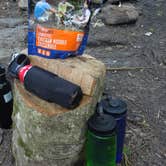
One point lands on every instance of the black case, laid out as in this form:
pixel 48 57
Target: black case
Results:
pixel 52 88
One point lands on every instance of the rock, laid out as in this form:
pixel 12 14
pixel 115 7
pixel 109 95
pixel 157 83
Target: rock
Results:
pixel 23 4
pixel 47 134
pixel 114 15
pixel 1 135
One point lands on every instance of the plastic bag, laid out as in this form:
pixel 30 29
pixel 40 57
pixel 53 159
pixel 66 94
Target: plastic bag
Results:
pixel 58 28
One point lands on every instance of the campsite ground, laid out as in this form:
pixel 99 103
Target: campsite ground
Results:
pixel 136 63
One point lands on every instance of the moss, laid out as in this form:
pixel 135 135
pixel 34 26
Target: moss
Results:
pixel 28 152
pixel 15 109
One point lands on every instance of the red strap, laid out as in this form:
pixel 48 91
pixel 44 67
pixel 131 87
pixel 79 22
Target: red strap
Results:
pixel 23 72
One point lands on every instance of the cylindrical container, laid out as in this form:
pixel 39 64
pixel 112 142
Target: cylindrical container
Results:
pixel 44 84
pixel 50 87
pixel 118 109
pixel 6 100
pixel 101 141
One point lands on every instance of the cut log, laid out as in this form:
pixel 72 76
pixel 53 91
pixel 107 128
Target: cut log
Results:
pixel 47 134
pixel 85 71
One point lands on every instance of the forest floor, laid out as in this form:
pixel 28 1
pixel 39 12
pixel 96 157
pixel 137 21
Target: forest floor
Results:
pixel 136 63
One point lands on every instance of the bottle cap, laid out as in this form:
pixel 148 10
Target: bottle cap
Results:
pixel 114 106
pixel 102 124
pixel 18 61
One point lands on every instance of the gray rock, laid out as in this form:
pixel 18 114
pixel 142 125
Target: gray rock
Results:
pixel 114 15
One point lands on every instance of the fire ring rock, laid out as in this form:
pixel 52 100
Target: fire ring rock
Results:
pixel 114 15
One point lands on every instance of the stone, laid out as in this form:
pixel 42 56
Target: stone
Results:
pixel 47 134
pixel 23 4
pixel 115 15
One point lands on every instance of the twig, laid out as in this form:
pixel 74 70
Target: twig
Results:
pixel 126 68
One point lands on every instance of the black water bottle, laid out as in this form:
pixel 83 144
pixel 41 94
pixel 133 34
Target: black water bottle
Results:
pixel 44 84
pixel 6 100
pixel 50 87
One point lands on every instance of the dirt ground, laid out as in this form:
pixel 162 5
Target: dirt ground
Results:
pixel 136 72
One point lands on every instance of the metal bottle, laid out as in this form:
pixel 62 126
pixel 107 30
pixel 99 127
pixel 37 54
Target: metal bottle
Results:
pixel 101 140
pixel 118 109
pixel 6 100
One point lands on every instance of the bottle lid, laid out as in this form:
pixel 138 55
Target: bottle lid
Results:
pixel 114 106
pixel 17 61
pixel 102 124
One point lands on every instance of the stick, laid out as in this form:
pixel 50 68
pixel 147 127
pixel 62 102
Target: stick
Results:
pixel 127 68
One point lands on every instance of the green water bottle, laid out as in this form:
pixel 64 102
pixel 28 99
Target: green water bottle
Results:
pixel 101 140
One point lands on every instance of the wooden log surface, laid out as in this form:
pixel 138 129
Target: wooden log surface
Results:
pixel 42 106
pixel 85 70
pixel 45 133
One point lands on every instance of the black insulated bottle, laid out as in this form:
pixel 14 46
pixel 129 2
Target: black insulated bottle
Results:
pixel 50 87
pixel 45 84
pixel 6 100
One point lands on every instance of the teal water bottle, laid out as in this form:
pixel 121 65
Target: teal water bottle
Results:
pixel 101 140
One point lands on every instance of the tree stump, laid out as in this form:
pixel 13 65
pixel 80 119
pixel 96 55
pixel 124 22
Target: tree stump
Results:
pixel 45 134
